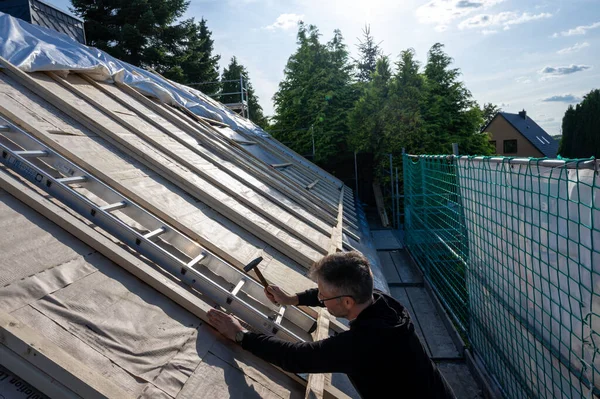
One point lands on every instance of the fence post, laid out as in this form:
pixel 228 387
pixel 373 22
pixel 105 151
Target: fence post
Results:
pixel 455 149
pixel 355 172
pixel 397 201
pixel 392 187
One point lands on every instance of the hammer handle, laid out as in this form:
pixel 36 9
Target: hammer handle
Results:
pixel 262 278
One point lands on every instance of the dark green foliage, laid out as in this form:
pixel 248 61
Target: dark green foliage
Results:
pixel 146 33
pixel 423 112
pixel 581 128
pixel 315 97
pixel 370 52
pixel 449 111
pixel 489 110
pixel 231 83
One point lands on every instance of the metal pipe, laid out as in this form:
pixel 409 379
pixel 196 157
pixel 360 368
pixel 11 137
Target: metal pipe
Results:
pixel 356 173
pixel 392 186
pixel 549 163
pixel 397 202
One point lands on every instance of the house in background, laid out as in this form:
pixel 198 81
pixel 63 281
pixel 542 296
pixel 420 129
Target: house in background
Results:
pixel 518 135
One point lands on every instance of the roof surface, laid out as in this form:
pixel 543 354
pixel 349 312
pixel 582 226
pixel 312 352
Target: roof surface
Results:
pixel 47 15
pixel 534 133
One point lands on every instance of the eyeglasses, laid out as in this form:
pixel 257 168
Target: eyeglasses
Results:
pixel 322 301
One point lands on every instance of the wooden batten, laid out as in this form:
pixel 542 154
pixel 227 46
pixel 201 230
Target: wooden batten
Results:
pixel 72 374
pixel 210 136
pixel 224 168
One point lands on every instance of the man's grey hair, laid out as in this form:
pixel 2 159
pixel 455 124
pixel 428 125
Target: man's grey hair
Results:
pixel 348 272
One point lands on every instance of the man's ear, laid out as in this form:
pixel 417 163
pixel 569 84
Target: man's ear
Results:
pixel 349 302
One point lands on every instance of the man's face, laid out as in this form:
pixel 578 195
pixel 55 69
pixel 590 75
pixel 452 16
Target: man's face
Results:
pixel 337 307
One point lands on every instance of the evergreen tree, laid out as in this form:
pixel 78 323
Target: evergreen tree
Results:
pixel 369 54
pixel 489 111
pixel 315 97
pixel 449 111
pixel 231 83
pixel 367 120
pixel 146 33
pixel 580 128
pixel 405 126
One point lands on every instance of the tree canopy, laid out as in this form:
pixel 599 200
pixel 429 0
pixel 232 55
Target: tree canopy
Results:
pixel 231 83
pixel 148 34
pixel 369 53
pixel 315 96
pixel 580 132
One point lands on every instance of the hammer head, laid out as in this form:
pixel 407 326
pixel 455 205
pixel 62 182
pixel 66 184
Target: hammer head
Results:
pixel 253 264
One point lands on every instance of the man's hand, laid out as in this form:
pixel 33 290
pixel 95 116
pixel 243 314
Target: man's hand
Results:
pixel 224 323
pixel 278 297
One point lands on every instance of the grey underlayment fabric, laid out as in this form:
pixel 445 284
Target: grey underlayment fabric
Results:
pixel 113 322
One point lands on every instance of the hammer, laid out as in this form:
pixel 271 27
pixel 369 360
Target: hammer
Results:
pixel 252 265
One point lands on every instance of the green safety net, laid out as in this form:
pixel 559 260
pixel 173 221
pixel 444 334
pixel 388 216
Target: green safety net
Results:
pixel 512 249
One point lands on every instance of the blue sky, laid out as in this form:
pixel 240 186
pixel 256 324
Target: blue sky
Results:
pixel 534 55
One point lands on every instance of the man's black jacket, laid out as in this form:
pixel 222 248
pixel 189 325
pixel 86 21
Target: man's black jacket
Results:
pixel 381 353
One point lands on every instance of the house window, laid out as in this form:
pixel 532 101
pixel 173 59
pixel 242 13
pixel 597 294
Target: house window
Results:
pixel 493 144
pixel 510 146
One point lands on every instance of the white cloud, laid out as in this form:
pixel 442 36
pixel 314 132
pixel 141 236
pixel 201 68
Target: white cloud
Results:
pixel 443 12
pixel 565 98
pixel 504 19
pixel 573 49
pixel 563 70
pixel 285 22
pixel 489 31
pixel 580 30
pixel 523 80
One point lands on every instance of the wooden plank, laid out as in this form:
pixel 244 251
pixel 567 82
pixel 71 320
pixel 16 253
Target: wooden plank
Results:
pixel 21 344
pixel 380 205
pixel 215 142
pixel 336 235
pixel 405 267
pixel 119 256
pixel 305 171
pixel 280 165
pixel 260 208
pixel 298 254
pixel 318 173
pixel 434 329
pixel 401 296
pixel 316 382
pixel 388 268
pixel 237 173
pixel 311 185
pixel 232 142
pixel 246 249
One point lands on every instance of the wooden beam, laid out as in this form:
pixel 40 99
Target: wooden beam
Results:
pixel 215 140
pixel 121 257
pixel 237 217
pixel 208 156
pixel 380 205
pixel 281 165
pixel 336 235
pixel 316 382
pixel 311 185
pixel 269 149
pixel 47 367
pixel 200 192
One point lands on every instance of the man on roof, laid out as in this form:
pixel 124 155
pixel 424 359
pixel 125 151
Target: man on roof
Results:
pixel 381 352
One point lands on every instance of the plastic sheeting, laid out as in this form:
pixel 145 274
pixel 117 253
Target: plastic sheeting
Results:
pixel 33 48
pixel 534 284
